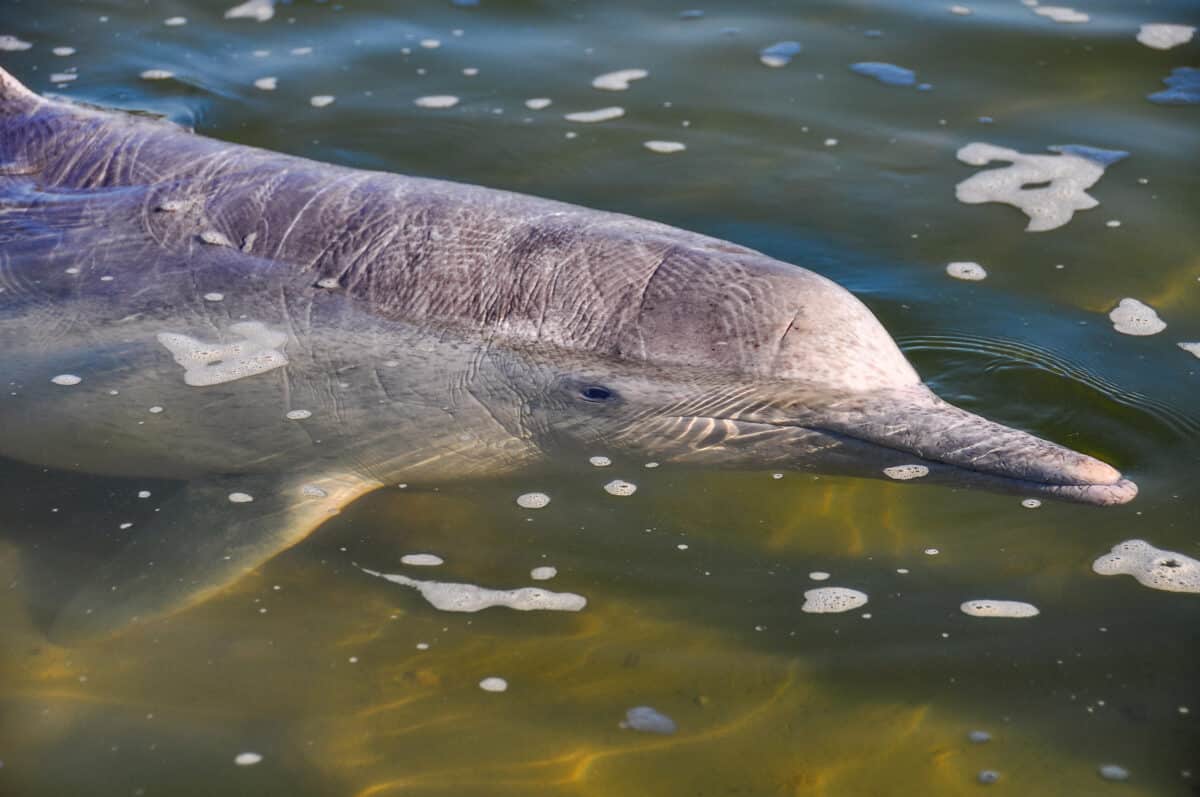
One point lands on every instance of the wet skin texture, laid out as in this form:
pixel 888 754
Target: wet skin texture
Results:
pixel 434 330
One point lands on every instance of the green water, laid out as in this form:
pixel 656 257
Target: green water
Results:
pixel 328 684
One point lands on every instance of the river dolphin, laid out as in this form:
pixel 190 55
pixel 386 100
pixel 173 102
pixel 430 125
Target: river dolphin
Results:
pixel 285 335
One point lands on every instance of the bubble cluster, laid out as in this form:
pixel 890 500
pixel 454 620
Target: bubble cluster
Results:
pixel 1132 317
pixel 830 600
pixel 905 472
pixel 493 684
pixel 533 500
pixel 985 607
pixel 1152 567
pixel 1048 207
pixel 205 364
pixel 620 487
pixel 1161 36
pixel 966 270
pixel 600 462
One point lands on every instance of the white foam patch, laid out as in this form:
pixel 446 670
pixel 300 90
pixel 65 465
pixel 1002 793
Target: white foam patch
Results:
pixel 240 498
pixel 260 10
pixel 619 80
pixel 12 44
pixel 598 115
pixel 1132 317
pixel 266 83
pixel 297 415
pixel 533 500
pixel 493 684
pixel 454 597
pixel 537 103
pixel 985 607
pixel 1031 503
pixel 205 364
pixel 1114 772
pixel 157 74
pixel 1152 567
pixel 544 573
pixel 430 44
pixel 321 100
pixel 63 77
pixel 620 487
pixel 214 297
pixel 966 270
pixel 830 600
pixel 174 22
pixel 422 559
pixel 664 147
pixel 63 52
pixel 905 472
pixel 1191 348
pixel 214 238
pixel 1162 36
pixel 1062 14
pixel 600 462
pixel 436 101
pixel 962 11
pixel 247 759
pixel 66 380
pixel 1069 174
pixel 819 575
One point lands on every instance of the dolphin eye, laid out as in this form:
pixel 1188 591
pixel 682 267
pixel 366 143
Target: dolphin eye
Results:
pixel 595 393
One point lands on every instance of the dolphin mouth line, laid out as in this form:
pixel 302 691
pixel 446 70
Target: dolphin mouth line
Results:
pixel 1101 493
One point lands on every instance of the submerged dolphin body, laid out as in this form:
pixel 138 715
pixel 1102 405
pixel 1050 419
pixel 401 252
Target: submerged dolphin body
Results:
pixel 270 328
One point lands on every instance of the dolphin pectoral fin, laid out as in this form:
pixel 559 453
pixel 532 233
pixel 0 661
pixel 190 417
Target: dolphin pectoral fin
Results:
pixel 206 538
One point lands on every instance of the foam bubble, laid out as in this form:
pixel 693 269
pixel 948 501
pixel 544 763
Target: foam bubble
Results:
pixel 174 22
pixel 301 51
pixel 538 103
pixel 12 44
pixel 321 100
pixel 979 737
pixel 1183 87
pixel 143 494
pixel 1113 772
pixel 1152 567
pixel 1069 174
pixel 544 573
pixel 664 147
pixel 422 559
pixel 532 500
pixel 66 380
pixel 247 759
pixel 240 498
pixel 779 54
pixel 63 51
pixel 647 720
pixel 63 77
pixel 266 83
pixel 619 80
pixel 906 472
pixel 493 684
pixel 297 415
pixel 430 44
pixel 962 11
pixel 988 776
pixel 1031 503
pixel 260 10
pixel 620 487
pixel 205 364
pixel 828 600
pixel 455 597
pixel 1192 348
pixel 1062 14
pixel 155 410
pixel 889 74
pixel 985 607
pixel 819 575
pixel 1161 36
pixel 600 462
pixel 598 115
pixel 1132 317
pixel 966 270
pixel 831 142
pixel 436 101
pixel 214 297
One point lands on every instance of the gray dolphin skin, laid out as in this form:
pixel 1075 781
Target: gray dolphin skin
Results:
pixel 283 336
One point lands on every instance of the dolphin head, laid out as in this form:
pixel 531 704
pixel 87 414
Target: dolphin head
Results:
pixel 735 359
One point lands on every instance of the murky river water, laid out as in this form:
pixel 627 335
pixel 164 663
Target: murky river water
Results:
pixel 348 684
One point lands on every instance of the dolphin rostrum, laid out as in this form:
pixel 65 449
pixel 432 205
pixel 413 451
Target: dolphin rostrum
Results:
pixel 285 336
